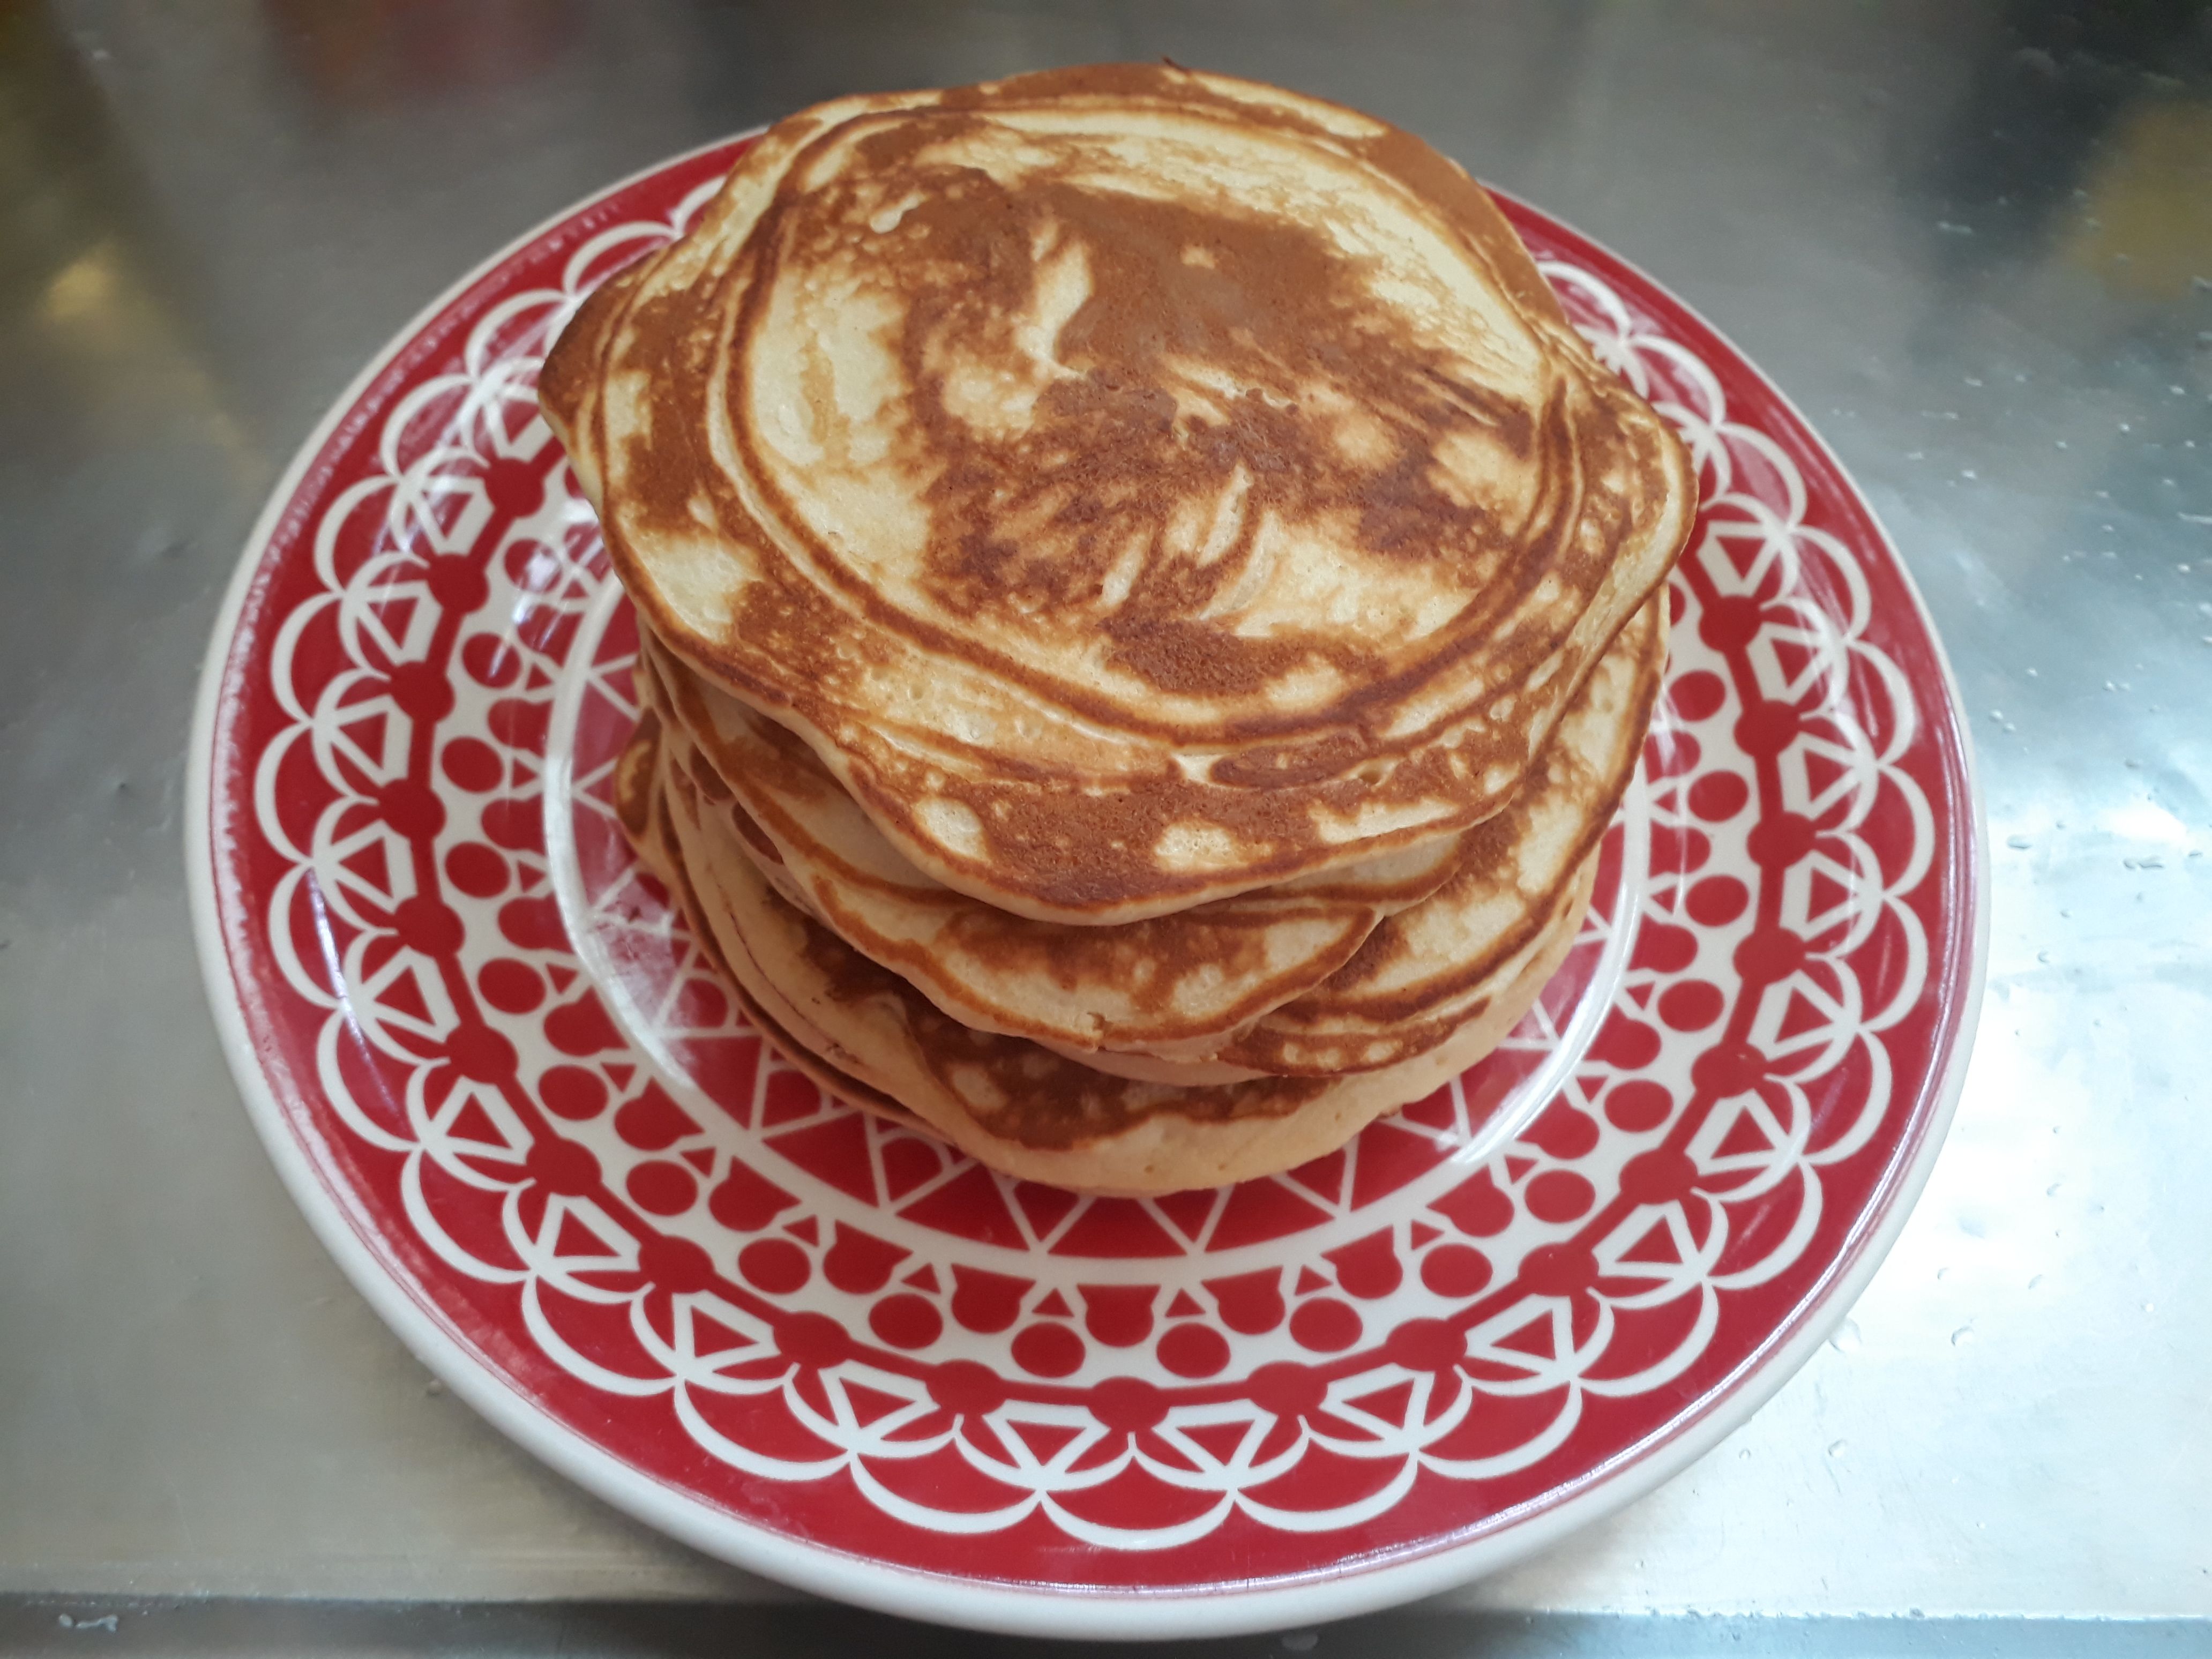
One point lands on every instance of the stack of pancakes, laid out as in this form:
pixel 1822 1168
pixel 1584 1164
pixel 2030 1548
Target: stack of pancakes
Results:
pixel 1146 608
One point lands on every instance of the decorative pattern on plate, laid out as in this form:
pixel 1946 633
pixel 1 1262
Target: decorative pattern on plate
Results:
pixel 524 1086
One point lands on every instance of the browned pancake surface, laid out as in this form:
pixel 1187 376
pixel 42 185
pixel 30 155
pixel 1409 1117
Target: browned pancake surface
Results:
pixel 1137 487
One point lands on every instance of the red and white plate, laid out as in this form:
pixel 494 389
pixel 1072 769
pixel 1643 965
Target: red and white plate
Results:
pixel 519 1107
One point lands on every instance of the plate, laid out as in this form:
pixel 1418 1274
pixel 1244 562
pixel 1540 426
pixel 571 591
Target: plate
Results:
pixel 534 1129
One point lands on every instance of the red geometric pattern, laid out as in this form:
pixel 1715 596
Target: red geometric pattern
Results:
pixel 522 1084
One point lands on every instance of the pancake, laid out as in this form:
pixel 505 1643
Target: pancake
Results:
pixel 866 1035
pixel 641 806
pixel 1137 488
pixel 1419 974
pixel 1178 984
pixel 1176 999
pixel 1410 988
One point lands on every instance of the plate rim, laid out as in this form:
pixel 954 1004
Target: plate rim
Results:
pixel 845 1576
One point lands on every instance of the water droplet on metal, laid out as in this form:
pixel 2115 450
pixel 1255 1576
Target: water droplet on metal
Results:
pixel 1847 1338
pixel 1963 1335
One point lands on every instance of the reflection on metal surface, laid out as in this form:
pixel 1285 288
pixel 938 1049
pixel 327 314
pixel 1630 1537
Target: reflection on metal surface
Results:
pixel 34 1628
pixel 2147 211
pixel 83 291
pixel 86 258
pixel 2050 82
pixel 373 52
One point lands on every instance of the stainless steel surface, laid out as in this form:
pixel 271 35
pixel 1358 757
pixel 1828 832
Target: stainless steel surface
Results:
pixel 1973 241
pixel 40 1626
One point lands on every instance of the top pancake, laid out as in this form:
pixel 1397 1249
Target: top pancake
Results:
pixel 1139 487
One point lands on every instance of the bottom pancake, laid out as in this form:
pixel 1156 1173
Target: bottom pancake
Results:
pixel 870 1037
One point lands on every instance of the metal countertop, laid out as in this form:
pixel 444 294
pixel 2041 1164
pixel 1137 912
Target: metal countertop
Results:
pixel 1973 241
